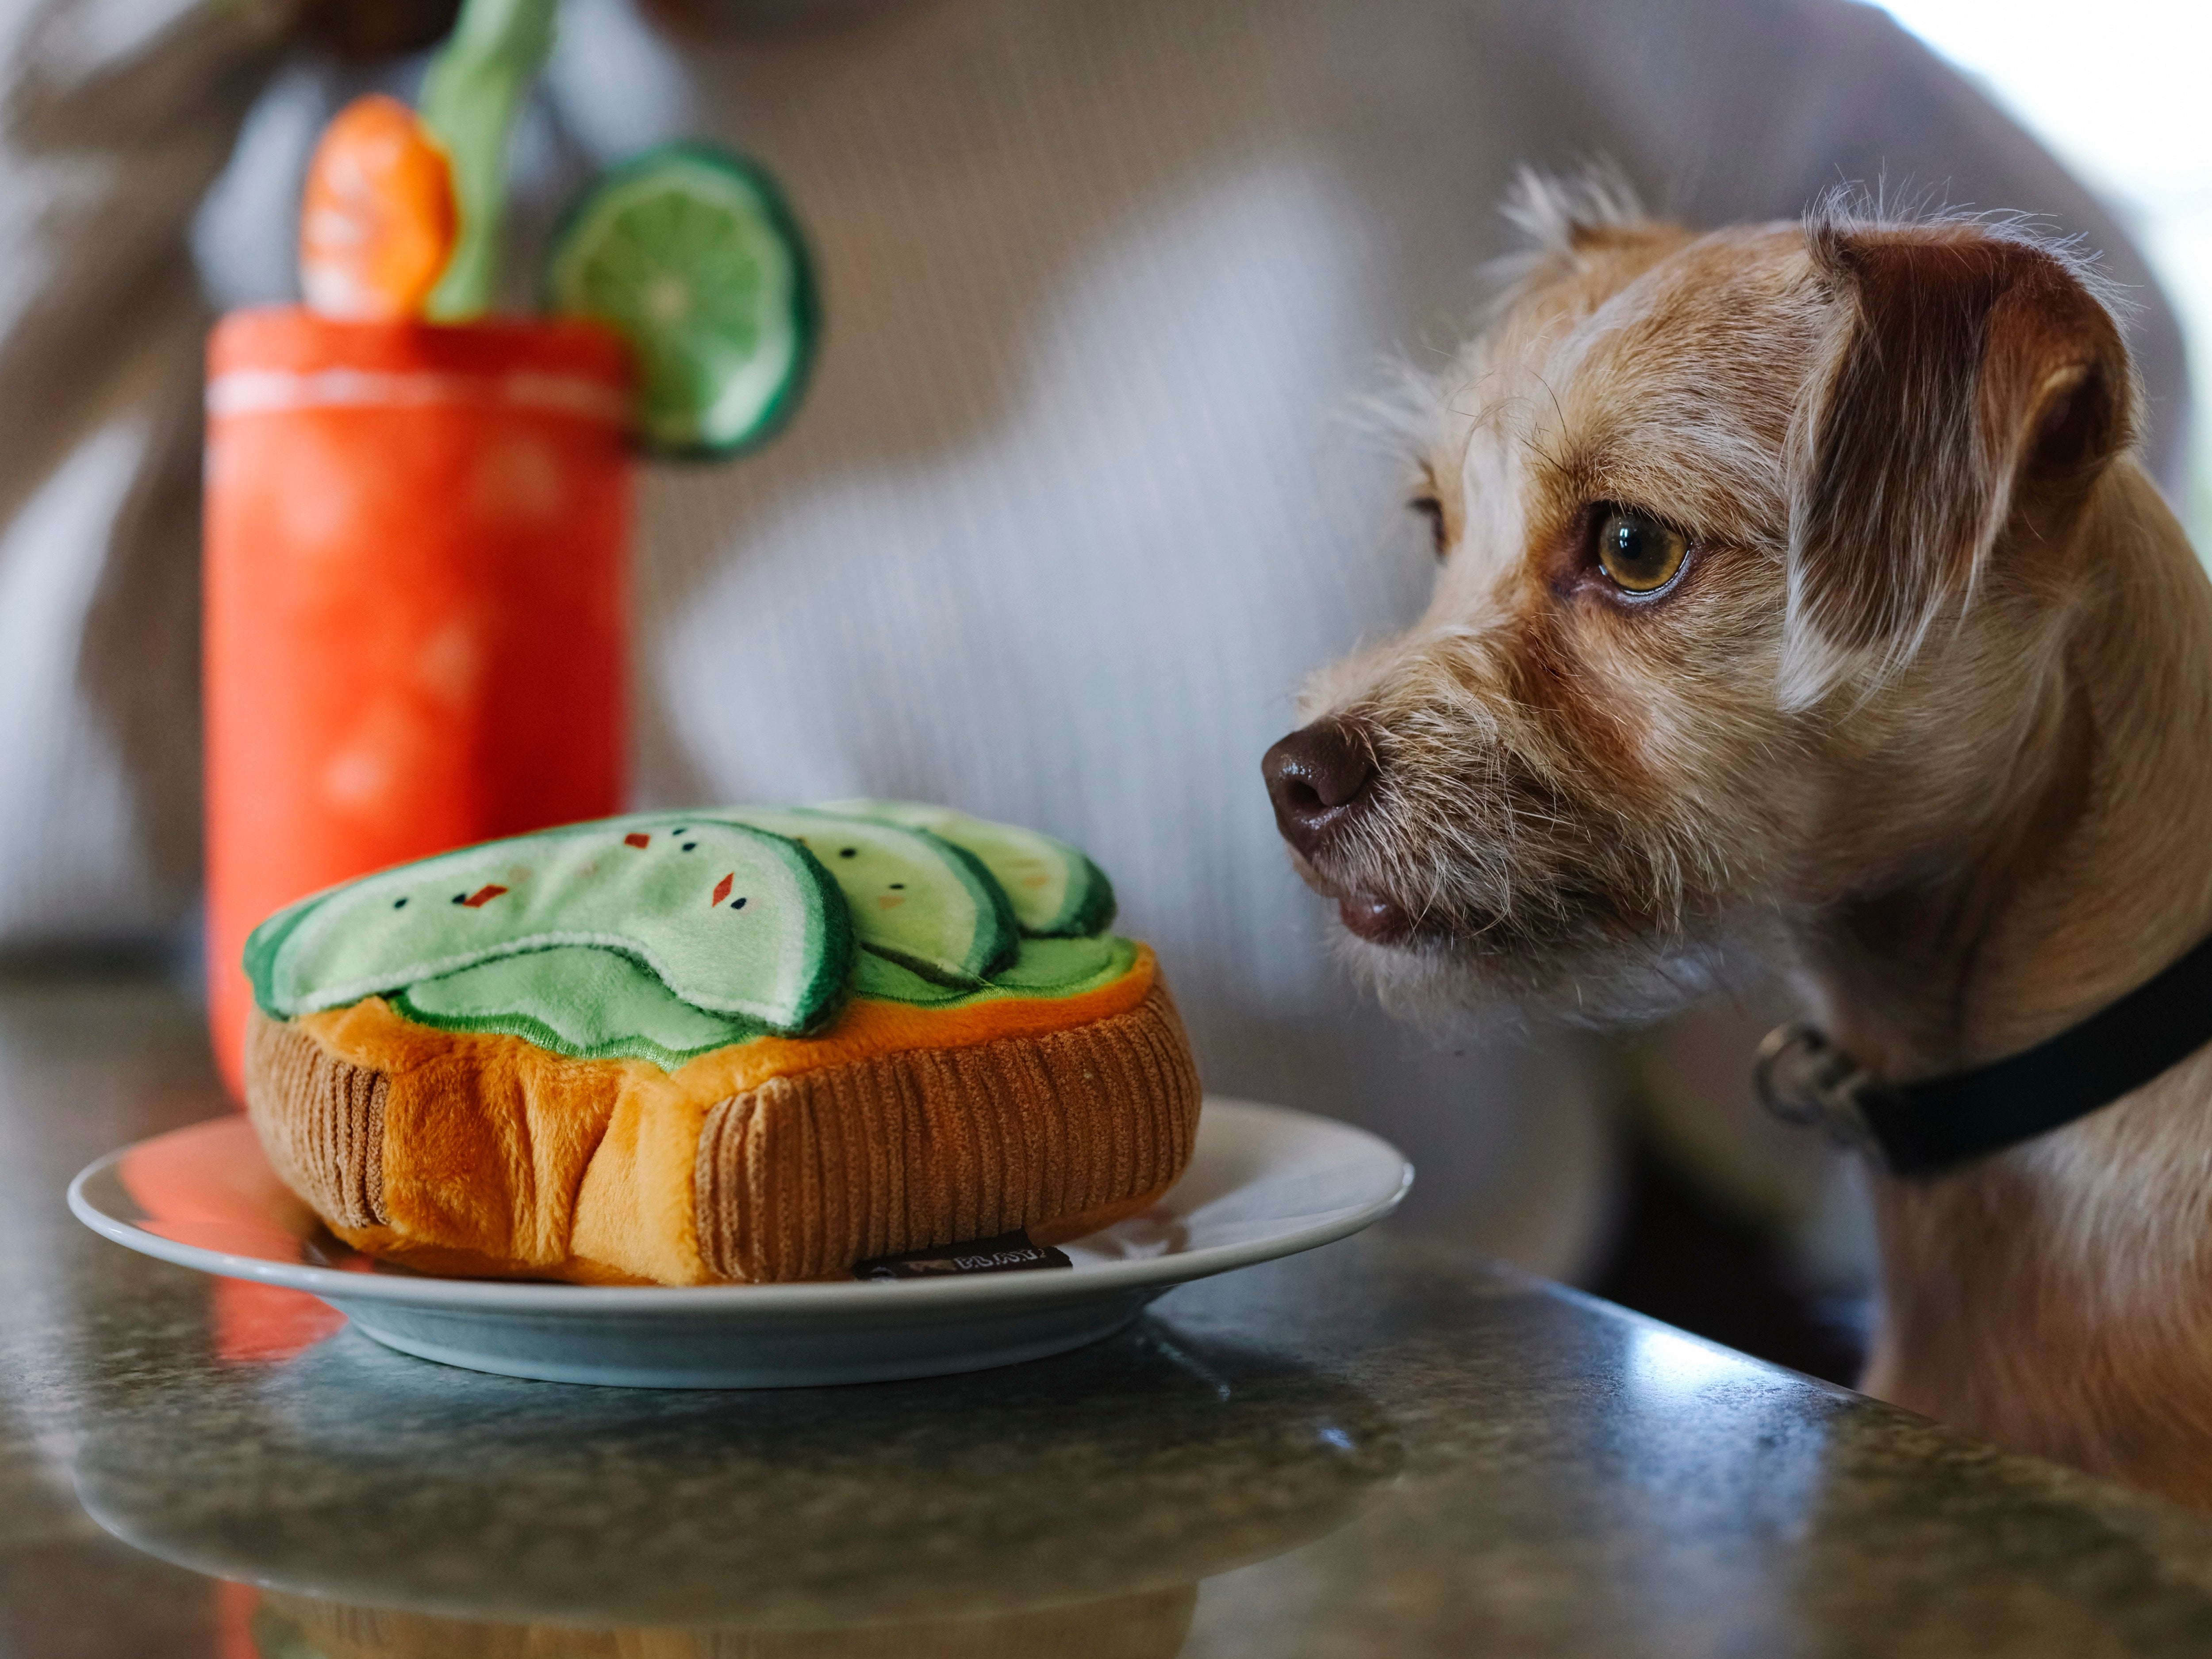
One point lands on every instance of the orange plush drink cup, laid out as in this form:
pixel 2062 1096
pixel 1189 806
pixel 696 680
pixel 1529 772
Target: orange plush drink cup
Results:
pixel 416 601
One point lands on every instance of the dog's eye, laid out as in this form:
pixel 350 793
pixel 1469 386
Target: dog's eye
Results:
pixel 1434 510
pixel 1641 555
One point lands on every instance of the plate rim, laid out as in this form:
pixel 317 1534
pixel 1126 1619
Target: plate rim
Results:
pixel 524 1298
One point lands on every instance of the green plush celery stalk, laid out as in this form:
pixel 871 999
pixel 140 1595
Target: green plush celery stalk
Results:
pixel 474 86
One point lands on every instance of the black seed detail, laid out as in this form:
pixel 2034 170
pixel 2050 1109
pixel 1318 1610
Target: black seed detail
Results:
pixel 677 830
pixel 737 904
pixel 898 887
pixel 849 851
pixel 399 904
pixel 460 899
pixel 690 846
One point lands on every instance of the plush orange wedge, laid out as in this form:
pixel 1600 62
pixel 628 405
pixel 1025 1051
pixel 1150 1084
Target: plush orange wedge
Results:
pixel 377 221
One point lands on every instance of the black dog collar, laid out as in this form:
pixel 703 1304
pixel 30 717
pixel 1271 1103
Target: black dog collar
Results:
pixel 1925 1129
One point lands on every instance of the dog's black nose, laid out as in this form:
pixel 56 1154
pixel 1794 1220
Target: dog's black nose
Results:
pixel 1317 777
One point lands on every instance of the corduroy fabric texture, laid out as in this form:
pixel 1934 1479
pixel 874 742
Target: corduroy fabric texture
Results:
pixel 321 1121
pixel 808 1174
pixel 897 1130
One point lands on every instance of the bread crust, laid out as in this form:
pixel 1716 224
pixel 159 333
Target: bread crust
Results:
pixel 485 1155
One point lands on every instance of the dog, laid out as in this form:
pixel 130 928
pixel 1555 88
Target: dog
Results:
pixel 1801 601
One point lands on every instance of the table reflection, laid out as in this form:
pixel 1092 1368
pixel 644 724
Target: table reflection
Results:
pixel 276 1624
pixel 1066 1507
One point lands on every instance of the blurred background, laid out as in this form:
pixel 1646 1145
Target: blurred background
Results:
pixel 2115 91
pixel 1075 501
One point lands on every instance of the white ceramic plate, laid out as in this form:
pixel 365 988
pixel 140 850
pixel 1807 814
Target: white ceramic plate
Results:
pixel 1265 1182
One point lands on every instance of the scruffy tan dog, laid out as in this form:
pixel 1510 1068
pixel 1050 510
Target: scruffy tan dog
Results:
pixel 1799 597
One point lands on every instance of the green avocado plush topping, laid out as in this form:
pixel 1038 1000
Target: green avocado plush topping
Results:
pixel 664 936
pixel 1056 892
pixel 598 1004
pixel 576 999
pixel 1042 968
pixel 920 901
pixel 731 920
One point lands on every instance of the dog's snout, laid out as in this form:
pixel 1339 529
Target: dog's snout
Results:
pixel 1317 778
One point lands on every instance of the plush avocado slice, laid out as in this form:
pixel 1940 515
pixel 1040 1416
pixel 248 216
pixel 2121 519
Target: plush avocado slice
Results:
pixel 1046 968
pixel 595 1004
pixel 577 999
pixel 921 902
pixel 733 920
pixel 664 936
pixel 1055 891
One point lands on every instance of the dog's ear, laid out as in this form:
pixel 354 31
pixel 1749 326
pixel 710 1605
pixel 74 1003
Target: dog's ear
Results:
pixel 1971 387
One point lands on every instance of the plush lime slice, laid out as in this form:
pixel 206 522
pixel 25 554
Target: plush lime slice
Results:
pixel 691 254
pixel 732 921
pixel 917 899
pixel 1056 892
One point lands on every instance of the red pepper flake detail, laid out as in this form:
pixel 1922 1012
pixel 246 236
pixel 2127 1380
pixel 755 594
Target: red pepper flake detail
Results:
pixel 722 887
pixel 634 839
pixel 484 896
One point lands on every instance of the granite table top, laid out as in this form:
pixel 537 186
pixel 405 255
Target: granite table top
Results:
pixel 1383 1448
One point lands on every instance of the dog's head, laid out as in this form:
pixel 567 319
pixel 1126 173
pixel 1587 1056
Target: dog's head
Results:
pixel 1755 550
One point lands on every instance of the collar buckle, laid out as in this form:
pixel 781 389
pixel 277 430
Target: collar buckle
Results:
pixel 1803 1079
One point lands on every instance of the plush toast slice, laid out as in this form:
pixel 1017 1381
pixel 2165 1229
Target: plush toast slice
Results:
pixel 550 1108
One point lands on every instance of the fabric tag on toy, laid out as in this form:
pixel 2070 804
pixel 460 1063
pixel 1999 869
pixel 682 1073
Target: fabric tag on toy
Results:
pixel 1009 1253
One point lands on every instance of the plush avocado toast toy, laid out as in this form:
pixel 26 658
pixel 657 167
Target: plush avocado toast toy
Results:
pixel 741 1043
